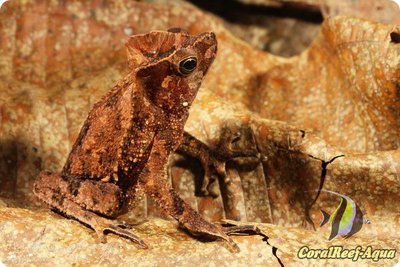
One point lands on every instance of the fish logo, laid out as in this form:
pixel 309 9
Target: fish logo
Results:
pixel 2 2
pixel 346 220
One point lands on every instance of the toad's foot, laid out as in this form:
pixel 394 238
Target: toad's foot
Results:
pixel 211 230
pixel 102 228
pixel 238 228
pixel 229 227
pixel 129 225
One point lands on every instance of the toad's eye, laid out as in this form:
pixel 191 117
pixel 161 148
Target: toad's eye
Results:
pixel 188 65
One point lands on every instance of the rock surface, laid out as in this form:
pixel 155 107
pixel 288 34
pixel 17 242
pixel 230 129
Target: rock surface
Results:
pixel 41 238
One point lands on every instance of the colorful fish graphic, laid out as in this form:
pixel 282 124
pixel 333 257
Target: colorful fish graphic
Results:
pixel 346 220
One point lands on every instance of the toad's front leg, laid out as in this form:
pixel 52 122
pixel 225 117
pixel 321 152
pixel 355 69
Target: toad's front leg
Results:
pixel 153 179
pixel 214 160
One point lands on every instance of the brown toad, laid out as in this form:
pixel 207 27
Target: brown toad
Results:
pixel 129 134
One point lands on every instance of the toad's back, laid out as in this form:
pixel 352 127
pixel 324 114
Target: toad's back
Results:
pixel 116 128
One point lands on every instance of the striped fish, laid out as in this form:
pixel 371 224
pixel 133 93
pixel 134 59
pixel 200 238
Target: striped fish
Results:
pixel 346 220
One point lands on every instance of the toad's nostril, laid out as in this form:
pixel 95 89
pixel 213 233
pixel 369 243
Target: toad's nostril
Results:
pixel 395 37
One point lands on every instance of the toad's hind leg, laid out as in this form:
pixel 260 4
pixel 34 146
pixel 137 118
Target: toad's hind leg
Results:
pixel 99 224
pixel 56 192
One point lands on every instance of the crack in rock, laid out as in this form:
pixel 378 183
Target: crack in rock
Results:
pixel 324 166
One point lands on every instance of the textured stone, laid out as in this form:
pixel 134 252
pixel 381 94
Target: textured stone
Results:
pixel 42 238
